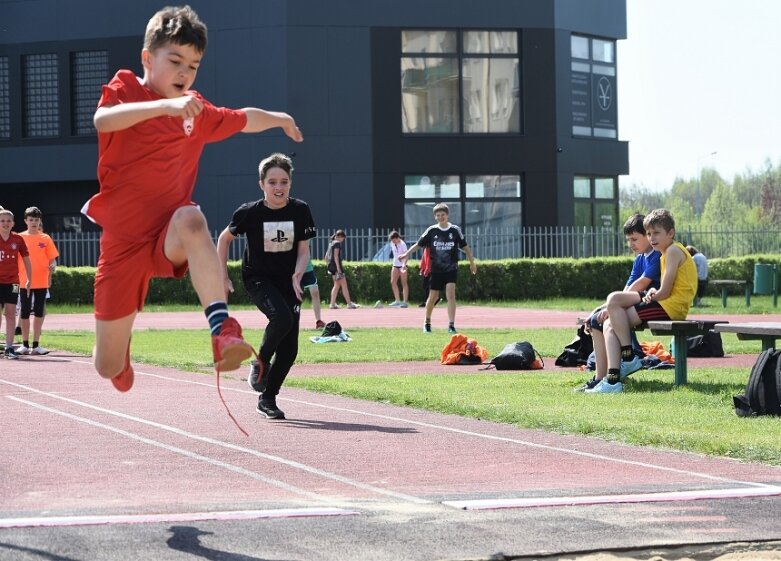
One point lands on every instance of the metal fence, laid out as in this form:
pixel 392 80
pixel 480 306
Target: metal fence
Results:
pixel 367 244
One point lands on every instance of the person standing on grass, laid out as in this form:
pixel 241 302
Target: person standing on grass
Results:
pixel 398 271
pixel 151 133
pixel 43 258
pixel 333 257
pixel 671 301
pixel 278 229
pixel 309 282
pixel 12 250
pixel 444 241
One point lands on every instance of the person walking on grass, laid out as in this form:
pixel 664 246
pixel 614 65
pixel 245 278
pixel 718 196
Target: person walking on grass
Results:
pixel 43 258
pixel 398 271
pixel 334 257
pixel 151 132
pixel 12 250
pixel 671 301
pixel 278 229
pixel 444 241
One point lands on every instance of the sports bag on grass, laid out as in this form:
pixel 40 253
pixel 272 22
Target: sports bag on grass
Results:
pixel 763 390
pixel 517 356
pixel 705 345
pixel 462 350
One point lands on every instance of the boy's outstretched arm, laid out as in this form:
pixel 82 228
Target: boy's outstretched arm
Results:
pixel 259 120
pixel 125 115
pixel 410 251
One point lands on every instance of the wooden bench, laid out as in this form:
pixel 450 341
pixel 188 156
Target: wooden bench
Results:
pixel 767 332
pixel 680 330
pixel 724 284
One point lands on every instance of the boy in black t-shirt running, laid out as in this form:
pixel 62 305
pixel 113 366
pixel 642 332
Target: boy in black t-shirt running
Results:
pixel 278 228
pixel 444 241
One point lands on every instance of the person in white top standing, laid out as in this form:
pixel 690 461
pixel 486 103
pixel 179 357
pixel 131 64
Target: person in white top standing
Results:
pixel 398 271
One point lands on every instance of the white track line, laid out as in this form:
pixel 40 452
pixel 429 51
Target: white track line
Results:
pixel 58 521
pixel 222 444
pixel 493 504
pixel 174 449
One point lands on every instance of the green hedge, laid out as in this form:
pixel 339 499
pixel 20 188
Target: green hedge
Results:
pixel 509 279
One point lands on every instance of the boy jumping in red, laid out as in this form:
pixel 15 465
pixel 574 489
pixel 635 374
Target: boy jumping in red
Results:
pixel 151 132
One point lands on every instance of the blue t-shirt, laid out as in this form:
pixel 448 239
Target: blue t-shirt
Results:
pixel 647 265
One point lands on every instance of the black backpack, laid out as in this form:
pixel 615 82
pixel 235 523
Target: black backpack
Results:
pixel 763 390
pixel 332 328
pixel 708 345
pixel 578 351
pixel 516 356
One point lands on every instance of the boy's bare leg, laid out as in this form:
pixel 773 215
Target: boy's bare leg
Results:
pixel 600 350
pixel 9 310
pixel 314 292
pixel 188 241
pixel 112 339
pixel 450 294
pixel 433 297
pixel 622 321
pixel 25 325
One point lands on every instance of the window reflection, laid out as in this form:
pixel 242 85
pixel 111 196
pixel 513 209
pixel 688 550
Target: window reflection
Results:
pixel 429 95
pixel 491 102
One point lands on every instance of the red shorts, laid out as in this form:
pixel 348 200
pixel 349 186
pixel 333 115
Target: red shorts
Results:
pixel 124 271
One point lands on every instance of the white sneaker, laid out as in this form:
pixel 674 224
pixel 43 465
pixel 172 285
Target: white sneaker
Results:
pixel 23 350
pixel 40 351
pixel 394 304
pixel 606 387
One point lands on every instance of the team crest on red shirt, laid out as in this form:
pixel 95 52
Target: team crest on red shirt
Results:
pixel 188 125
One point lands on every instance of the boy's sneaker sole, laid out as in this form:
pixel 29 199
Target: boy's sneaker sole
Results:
pixel 124 380
pixel 229 348
pixel 270 410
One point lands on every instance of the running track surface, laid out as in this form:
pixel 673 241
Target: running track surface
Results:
pixel 163 467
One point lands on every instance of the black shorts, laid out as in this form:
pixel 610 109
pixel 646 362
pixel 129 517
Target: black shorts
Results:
pixel 440 280
pixel 309 279
pixel 651 311
pixel 35 303
pixel 9 294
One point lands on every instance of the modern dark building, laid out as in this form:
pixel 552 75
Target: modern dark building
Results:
pixel 504 109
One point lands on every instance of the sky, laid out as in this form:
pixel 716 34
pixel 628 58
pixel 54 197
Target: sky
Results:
pixel 699 86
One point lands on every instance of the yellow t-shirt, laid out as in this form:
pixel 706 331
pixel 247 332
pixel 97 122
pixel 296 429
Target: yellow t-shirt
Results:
pixel 42 251
pixel 684 288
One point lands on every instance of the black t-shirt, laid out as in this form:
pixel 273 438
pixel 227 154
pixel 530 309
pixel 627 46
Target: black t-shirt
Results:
pixel 272 237
pixel 444 247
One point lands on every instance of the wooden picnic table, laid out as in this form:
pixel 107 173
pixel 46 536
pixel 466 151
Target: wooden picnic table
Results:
pixel 680 330
pixel 724 284
pixel 766 331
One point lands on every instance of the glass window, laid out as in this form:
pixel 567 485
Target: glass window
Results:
pixel 41 96
pixel 420 215
pixel 604 188
pixel 493 186
pixel 488 42
pixel 429 95
pixel 424 41
pixel 593 87
pixel 432 187
pixel 89 71
pixel 582 188
pixel 605 216
pixel 490 100
pixel 492 214
pixel 603 50
pixel 5 100
pixel 444 91
pixel 583 214
pixel 579 47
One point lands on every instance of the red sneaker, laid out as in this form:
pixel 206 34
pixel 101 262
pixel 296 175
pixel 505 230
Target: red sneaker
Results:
pixel 229 347
pixel 319 324
pixel 124 380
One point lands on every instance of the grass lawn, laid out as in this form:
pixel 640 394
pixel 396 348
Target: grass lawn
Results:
pixel 698 417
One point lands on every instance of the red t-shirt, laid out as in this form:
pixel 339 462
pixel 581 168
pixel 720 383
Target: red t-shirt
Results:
pixel 148 171
pixel 11 251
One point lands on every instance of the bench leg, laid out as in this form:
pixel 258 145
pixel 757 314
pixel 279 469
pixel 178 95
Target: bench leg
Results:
pixel 723 296
pixel 681 352
pixel 748 296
